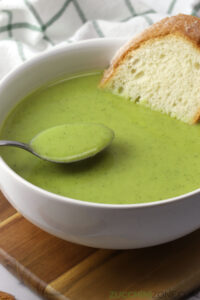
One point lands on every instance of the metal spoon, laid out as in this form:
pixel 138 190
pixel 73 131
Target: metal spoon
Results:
pixel 90 149
pixel 18 145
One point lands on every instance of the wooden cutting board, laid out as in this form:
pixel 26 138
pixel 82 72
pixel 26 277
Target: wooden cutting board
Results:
pixel 61 270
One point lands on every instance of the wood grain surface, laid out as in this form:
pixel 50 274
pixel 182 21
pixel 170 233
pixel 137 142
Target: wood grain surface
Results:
pixel 5 296
pixel 61 270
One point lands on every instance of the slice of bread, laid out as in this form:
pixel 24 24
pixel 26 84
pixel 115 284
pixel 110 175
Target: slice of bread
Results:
pixel 160 68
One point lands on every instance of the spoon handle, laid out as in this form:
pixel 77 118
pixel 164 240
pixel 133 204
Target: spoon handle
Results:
pixel 15 144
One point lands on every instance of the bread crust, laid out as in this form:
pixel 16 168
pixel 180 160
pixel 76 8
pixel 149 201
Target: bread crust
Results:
pixel 185 25
pixel 196 118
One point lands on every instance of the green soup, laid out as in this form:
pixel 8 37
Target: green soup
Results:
pixel 152 156
pixel 72 141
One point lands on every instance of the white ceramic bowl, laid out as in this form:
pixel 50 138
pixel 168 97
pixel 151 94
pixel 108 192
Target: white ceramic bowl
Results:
pixel 92 224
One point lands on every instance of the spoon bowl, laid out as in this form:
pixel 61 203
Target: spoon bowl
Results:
pixel 67 143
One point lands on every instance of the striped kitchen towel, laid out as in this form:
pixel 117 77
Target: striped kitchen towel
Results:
pixel 29 27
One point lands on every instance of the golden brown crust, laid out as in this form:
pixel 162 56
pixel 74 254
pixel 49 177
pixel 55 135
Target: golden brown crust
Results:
pixel 196 118
pixel 185 25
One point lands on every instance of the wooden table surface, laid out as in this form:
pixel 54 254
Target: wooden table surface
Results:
pixel 59 269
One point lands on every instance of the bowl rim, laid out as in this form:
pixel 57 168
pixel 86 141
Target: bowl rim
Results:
pixel 64 199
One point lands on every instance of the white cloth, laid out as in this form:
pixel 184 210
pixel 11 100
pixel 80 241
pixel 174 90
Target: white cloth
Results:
pixel 29 27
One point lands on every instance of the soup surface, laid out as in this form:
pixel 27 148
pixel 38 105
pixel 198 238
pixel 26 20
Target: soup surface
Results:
pixel 72 141
pixel 152 157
